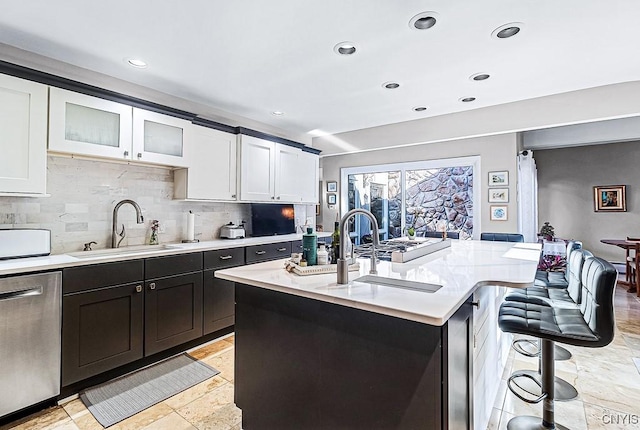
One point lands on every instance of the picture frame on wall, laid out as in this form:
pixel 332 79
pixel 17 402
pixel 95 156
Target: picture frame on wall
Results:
pixel 331 199
pixel 610 198
pixel 498 195
pixel 332 187
pixel 499 178
pixel 499 213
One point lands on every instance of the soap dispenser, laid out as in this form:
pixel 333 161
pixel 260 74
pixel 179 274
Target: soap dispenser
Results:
pixel 310 246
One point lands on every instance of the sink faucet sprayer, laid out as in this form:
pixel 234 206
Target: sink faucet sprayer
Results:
pixel 114 231
pixel 343 264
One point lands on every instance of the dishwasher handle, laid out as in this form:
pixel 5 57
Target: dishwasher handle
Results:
pixel 17 294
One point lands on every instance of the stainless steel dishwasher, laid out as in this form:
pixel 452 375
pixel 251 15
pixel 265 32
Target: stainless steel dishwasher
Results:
pixel 30 319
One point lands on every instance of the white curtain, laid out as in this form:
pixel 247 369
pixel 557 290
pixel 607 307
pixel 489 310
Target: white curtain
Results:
pixel 527 196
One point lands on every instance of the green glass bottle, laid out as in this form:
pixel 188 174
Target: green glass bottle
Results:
pixel 310 246
pixel 335 243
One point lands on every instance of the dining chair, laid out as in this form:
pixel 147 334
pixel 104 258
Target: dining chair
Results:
pixel 633 264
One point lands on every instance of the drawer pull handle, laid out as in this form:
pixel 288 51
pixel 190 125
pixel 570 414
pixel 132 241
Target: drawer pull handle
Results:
pixel 282 249
pixel 226 257
pixel 261 252
pixel 126 154
pixel 152 286
pixel 138 288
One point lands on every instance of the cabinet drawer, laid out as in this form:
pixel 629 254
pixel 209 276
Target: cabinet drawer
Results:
pixel 84 278
pixel 271 251
pixel 221 258
pixel 159 267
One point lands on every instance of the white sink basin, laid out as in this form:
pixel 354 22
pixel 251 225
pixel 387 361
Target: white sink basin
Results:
pixel 122 252
pixel 424 287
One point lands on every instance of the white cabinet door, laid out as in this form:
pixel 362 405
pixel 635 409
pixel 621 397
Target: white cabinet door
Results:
pixel 158 138
pixel 287 177
pixel 257 169
pixel 308 182
pixel 81 124
pixel 211 155
pixel 23 141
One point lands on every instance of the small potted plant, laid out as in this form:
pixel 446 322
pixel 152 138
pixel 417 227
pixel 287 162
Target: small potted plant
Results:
pixel 546 231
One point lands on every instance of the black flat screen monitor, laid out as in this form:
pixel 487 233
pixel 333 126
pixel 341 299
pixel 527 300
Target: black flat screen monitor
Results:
pixel 272 219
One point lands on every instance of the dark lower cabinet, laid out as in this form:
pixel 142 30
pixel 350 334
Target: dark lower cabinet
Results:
pixel 327 366
pixel 219 294
pixel 173 307
pixel 102 328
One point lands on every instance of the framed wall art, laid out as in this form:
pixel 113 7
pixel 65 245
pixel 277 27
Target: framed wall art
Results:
pixel 500 178
pixel 498 195
pixel 610 198
pixel 332 187
pixel 331 199
pixel 498 213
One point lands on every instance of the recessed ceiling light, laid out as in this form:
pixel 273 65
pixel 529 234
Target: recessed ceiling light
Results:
pixel 136 62
pixel 391 85
pixel 423 21
pixel 467 99
pixel 277 113
pixel 420 108
pixel 479 77
pixel 507 30
pixel 345 48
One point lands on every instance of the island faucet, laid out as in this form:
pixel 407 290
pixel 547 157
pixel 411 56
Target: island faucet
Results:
pixel 114 231
pixel 343 264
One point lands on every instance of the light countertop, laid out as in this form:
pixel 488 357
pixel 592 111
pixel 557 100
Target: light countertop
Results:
pixel 460 269
pixel 51 262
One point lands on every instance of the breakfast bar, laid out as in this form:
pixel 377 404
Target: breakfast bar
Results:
pixel 387 351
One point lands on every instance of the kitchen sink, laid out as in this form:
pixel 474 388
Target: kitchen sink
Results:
pixel 424 287
pixel 122 252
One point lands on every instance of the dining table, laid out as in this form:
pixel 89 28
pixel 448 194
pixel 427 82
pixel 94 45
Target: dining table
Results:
pixel 626 245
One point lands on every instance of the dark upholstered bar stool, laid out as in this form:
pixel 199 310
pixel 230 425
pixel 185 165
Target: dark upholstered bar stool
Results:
pixel 502 237
pixel 550 280
pixel 450 234
pixel 590 325
pixel 569 297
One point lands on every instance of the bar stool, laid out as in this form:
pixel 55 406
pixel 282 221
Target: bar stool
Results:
pixel 590 325
pixel 570 297
pixel 550 280
pixel 502 237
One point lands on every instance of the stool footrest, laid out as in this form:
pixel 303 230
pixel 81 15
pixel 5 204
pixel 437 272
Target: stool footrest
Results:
pixel 516 345
pixel 512 381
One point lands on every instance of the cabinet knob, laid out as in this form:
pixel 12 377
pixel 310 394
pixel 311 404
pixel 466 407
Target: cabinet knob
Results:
pixel 272 197
pixel 233 196
pixel 139 155
pixel 152 286
pixel 126 153
pixel 278 197
pixel 138 288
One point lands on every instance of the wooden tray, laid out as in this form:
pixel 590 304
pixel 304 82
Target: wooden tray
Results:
pixel 316 270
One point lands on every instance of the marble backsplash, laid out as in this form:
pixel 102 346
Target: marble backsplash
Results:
pixel 83 194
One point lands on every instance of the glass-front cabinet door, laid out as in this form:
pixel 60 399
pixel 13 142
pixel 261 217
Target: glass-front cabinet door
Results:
pixel 82 124
pixel 158 138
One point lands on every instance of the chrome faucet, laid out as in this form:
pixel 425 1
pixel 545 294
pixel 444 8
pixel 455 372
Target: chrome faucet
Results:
pixel 343 264
pixel 114 231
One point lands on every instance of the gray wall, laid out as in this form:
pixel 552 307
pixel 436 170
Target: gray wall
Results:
pixel 566 178
pixel 496 153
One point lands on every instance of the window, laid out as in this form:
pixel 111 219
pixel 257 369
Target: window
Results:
pixel 430 195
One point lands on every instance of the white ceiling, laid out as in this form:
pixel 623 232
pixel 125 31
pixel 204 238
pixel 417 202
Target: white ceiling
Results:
pixel 253 57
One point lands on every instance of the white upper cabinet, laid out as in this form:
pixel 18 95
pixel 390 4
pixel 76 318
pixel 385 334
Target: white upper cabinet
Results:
pixel 273 172
pixel 159 138
pixel 211 155
pixel 309 172
pixel 23 141
pixel 287 177
pixel 81 124
pixel 257 169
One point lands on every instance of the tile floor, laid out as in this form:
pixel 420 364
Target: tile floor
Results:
pixel 607 379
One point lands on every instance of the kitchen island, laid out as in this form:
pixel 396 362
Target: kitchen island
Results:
pixel 312 354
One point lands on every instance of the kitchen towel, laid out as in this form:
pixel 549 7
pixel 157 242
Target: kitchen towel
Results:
pixel 123 397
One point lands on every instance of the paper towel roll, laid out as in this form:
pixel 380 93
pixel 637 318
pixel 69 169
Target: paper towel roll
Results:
pixel 191 218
